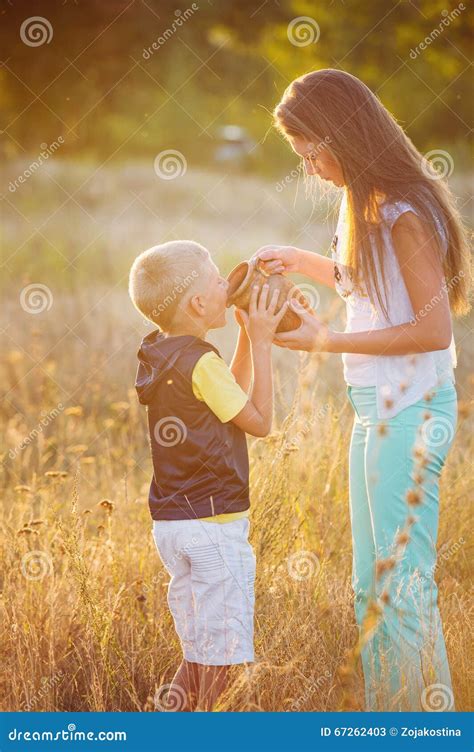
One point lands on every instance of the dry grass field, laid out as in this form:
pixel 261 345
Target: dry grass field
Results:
pixel 84 622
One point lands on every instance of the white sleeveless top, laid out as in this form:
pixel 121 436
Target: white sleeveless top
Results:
pixel 400 380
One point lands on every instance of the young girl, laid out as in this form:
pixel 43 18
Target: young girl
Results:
pixel 399 262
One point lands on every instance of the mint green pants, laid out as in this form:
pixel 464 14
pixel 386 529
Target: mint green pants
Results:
pixel 395 466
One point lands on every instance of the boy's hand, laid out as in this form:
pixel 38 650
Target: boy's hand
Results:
pixel 242 319
pixel 262 319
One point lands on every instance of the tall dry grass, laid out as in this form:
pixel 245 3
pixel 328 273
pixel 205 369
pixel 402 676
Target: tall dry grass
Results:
pixel 85 625
pixel 84 621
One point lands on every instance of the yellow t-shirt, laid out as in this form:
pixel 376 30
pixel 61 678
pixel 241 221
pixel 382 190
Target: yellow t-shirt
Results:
pixel 214 383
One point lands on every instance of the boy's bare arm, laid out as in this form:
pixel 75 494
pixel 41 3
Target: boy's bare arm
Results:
pixel 256 416
pixel 241 365
pixel 261 323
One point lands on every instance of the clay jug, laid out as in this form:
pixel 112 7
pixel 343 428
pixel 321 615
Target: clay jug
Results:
pixel 249 273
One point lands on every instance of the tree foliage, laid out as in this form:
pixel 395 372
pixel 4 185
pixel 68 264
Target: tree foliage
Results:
pixel 95 85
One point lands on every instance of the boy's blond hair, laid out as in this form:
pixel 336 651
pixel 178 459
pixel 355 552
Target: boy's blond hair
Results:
pixel 161 276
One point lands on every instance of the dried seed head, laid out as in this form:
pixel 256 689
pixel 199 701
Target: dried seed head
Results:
pixel 384 565
pixel 76 410
pixel 150 705
pixel 464 408
pixel 413 497
pixel 345 670
pixel 119 407
pixel 403 538
pixel 419 452
pixel 107 505
pixel 385 598
pixel 382 429
pixel 349 703
pixel 371 618
pixel 345 675
pixel 374 608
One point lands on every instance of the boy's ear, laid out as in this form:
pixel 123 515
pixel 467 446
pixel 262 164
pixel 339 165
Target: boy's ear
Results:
pixel 197 305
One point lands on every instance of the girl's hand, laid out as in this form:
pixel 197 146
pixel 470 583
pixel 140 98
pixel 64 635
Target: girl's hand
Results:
pixel 262 319
pixel 279 259
pixel 312 335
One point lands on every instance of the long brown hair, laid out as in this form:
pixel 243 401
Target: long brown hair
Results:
pixel 378 160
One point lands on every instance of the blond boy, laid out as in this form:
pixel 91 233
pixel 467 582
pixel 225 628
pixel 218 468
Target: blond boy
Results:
pixel 199 410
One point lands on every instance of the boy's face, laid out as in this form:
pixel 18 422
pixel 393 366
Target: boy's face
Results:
pixel 213 297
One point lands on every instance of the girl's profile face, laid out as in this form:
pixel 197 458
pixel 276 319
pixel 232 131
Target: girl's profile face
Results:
pixel 318 159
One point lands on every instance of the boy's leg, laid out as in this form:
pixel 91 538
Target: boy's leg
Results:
pixel 222 575
pixel 172 541
pixel 212 683
pixel 185 684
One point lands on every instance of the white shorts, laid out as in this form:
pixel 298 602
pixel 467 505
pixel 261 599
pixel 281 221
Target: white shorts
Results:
pixel 211 591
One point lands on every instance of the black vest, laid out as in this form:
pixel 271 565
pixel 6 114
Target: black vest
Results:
pixel 200 464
